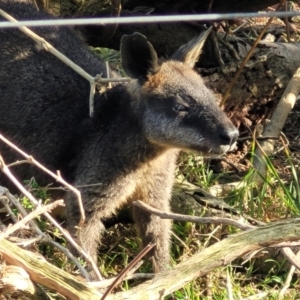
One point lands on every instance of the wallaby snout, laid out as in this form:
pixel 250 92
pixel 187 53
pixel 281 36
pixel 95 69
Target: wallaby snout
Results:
pixel 229 136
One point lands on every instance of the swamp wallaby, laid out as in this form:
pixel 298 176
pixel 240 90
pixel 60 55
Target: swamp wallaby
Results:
pixel 129 146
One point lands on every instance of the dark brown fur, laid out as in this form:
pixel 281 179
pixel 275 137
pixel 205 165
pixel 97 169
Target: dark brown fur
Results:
pixel 130 145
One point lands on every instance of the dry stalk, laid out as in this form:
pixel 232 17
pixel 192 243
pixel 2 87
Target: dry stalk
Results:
pixel 229 286
pixel 274 127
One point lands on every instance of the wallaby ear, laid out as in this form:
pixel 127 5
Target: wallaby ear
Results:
pixel 138 56
pixel 190 52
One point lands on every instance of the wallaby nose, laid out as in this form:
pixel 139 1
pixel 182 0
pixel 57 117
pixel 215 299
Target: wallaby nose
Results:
pixel 229 137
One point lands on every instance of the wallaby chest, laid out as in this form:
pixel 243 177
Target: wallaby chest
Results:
pixel 153 180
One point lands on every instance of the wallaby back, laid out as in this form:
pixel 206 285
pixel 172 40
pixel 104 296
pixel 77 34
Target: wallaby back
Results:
pixel 129 147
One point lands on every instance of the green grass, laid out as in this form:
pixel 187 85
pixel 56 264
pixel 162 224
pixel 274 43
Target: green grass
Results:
pixel 112 57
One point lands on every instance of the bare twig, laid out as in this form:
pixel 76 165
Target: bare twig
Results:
pixel 291 257
pixel 108 72
pixel 65 189
pixel 57 177
pixel 204 220
pixel 210 4
pixel 91 97
pixel 5 202
pixel 132 264
pixel 48 47
pixel 115 11
pixel 247 21
pixel 288 280
pixel 38 211
pixel 26 242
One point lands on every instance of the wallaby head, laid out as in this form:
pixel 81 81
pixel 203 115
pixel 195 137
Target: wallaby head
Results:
pixel 177 109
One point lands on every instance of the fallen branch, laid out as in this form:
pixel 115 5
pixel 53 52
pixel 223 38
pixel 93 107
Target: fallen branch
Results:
pixel 291 257
pixel 286 252
pixel 212 257
pixel 16 280
pixel 44 273
pixel 219 254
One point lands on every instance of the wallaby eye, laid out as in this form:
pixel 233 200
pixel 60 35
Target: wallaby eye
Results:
pixel 178 107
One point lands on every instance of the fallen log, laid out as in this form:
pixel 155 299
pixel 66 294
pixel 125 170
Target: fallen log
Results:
pixel 219 254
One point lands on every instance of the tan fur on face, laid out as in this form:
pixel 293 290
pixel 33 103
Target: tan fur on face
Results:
pixel 170 72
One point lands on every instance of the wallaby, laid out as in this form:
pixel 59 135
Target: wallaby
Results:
pixel 131 144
